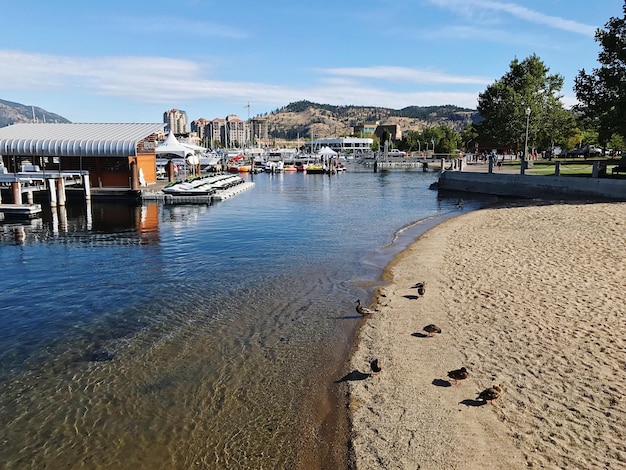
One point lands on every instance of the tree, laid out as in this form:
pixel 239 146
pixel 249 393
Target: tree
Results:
pixel 503 105
pixel 468 137
pixel 602 93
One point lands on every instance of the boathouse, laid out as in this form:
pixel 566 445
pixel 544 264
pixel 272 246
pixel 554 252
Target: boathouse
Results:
pixel 114 155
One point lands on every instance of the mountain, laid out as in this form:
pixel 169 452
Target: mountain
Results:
pixel 307 119
pixel 11 113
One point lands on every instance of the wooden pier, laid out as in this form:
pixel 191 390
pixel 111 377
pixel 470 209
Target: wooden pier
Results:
pixel 24 185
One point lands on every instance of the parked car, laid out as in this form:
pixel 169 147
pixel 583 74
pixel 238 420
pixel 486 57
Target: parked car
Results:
pixel 586 151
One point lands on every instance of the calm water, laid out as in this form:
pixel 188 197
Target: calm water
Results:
pixel 181 337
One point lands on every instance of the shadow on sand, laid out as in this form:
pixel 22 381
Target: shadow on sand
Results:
pixel 352 376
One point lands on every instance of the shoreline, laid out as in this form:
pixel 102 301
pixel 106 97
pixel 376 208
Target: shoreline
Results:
pixel 523 297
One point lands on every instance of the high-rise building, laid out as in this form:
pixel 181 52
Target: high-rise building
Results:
pixel 176 121
pixel 199 126
pixel 235 132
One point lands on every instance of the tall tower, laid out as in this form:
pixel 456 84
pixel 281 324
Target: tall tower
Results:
pixel 176 120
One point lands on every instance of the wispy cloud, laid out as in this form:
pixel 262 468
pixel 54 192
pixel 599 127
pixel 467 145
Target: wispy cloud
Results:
pixel 166 80
pixel 407 74
pixel 472 7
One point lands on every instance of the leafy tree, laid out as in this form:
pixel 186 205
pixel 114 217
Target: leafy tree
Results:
pixel 412 141
pixel 384 137
pixel 469 136
pixel 602 93
pixel 503 106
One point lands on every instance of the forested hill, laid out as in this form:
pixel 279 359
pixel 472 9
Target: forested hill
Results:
pixel 11 113
pixel 308 119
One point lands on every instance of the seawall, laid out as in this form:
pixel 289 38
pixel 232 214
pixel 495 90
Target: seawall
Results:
pixel 533 186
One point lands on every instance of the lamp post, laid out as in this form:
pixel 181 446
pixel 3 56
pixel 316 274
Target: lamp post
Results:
pixel 523 169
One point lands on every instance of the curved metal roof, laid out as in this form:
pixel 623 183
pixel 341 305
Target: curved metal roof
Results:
pixel 75 140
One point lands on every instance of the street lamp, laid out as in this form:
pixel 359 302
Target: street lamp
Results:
pixel 526 142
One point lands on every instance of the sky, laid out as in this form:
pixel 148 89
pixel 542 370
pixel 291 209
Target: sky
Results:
pixel 130 61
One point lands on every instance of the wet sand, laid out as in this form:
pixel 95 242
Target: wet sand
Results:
pixel 530 297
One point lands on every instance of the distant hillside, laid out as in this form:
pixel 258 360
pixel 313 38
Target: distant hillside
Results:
pixel 306 119
pixel 11 113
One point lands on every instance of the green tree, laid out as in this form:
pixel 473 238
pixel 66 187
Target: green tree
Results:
pixel 469 137
pixel 412 141
pixel 503 106
pixel 602 93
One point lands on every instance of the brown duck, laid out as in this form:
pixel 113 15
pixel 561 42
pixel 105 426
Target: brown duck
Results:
pixel 458 374
pixel 432 329
pixel 362 310
pixel 421 288
pixel 492 393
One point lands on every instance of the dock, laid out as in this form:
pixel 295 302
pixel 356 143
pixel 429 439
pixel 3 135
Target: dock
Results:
pixel 220 195
pixel 20 211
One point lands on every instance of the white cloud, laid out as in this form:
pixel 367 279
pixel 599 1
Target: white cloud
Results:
pixel 407 74
pixel 166 80
pixel 473 7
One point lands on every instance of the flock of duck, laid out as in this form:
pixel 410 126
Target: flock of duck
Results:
pixel 488 395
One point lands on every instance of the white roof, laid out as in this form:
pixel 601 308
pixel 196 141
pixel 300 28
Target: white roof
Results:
pixel 171 146
pixel 74 140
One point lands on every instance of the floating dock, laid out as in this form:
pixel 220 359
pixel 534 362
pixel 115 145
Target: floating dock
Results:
pixel 219 195
pixel 20 211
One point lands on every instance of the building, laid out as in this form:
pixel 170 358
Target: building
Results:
pixel 116 155
pixel 350 145
pixel 176 121
pixel 364 129
pixel 259 129
pixel 394 130
pixel 235 133
pixel 199 127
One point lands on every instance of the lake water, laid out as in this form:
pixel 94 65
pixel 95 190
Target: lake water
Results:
pixel 196 336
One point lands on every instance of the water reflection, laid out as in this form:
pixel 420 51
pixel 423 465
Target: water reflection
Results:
pixel 87 223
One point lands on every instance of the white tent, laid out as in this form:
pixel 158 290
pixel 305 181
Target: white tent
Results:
pixel 171 146
pixel 327 152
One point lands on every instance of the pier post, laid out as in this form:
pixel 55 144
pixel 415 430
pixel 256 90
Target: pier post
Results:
pixel 52 191
pixel 134 176
pixel 443 164
pixel 16 186
pixel 60 191
pixel 595 173
pixel 87 187
pixel 30 197
pixel 557 168
pixel 170 171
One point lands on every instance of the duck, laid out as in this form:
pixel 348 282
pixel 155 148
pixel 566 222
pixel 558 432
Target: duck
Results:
pixel 375 366
pixel 458 374
pixel 421 288
pixel 432 329
pixel 492 393
pixel 362 310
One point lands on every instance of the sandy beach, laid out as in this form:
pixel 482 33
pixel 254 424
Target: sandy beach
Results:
pixel 531 297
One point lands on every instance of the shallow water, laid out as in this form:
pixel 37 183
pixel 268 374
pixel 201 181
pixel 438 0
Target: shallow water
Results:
pixel 168 337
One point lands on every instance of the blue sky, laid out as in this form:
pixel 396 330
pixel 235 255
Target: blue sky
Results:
pixel 129 61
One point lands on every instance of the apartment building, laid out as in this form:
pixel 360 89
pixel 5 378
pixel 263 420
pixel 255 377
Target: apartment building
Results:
pixel 176 121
